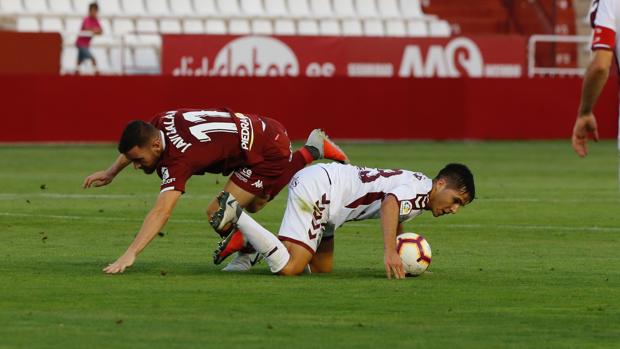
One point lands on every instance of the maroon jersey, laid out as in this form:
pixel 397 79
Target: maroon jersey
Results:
pixel 200 141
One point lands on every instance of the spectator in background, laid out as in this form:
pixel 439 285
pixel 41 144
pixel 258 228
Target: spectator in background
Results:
pixel 90 28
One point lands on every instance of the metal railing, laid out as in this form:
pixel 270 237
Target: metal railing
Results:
pixel 531 58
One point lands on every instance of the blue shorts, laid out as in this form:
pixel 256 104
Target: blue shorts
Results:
pixel 84 54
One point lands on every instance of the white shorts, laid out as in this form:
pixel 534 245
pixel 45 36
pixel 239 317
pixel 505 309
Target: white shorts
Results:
pixel 307 209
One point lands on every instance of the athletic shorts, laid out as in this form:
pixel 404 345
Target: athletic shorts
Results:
pixel 305 221
pixel 260 179
pixel 84 54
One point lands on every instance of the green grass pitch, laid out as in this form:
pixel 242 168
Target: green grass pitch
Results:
pixel 532 263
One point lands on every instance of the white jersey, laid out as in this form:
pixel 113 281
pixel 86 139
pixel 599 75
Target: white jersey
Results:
pixel 605 20
pixel 357 192
pixel 323 197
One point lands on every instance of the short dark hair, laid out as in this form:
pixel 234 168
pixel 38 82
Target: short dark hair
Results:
pixel 93 6
pixel 459 177
pixel 136 133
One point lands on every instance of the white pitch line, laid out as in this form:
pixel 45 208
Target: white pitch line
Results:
pixel 352 224
pixel 12 196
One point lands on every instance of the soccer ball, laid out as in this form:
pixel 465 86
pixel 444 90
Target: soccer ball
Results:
pixel 415 252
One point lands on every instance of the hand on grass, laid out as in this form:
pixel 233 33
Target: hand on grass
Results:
pixel 125 261
pixel 394 265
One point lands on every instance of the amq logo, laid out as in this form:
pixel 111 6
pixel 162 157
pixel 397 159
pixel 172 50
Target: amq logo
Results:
pixel 443 62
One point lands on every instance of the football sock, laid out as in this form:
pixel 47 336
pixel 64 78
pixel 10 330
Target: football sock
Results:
pixel 264 242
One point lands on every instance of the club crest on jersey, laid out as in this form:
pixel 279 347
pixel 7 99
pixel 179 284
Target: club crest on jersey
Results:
pixel 405 207
pixel 247 132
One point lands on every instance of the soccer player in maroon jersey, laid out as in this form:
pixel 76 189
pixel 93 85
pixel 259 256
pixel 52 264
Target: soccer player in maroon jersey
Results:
pixel 182 143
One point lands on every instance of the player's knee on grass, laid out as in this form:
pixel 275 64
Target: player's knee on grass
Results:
pixel 298 260
pixel 323 259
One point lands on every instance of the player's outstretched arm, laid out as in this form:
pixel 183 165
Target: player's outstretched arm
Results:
pixel 105 177
pixel 389 224
pixel 153 223
pixel 593 83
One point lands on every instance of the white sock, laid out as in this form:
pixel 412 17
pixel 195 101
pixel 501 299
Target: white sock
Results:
pixel 264 242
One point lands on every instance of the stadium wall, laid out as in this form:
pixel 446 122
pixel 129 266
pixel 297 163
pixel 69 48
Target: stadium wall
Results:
pixel 95 109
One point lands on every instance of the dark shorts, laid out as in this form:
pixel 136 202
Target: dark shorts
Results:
pixel 84 54
pixel 260 179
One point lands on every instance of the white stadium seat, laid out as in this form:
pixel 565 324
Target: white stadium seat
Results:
pixel 276 8
pixel 395 27
pixel 36 6
pixel 52 25
pixel 28 24
pixel 81 7
pixel 106 27
pixel 329 27
pixel 373 27
pixel 352 27
pixel 307 27
pixel 102 58
pixel 228 8
pixel 389 8
pixel 193 26
pixel 284 27
pixel 411 9
pixel 122 26
pixel 417 28
pixel 147 60
pixel 157 7
pixel 61 7
pixel 181 7
pixel 238 27
pixel 205 7
pixel 147 25
pixel 439 28
pixel 299 8
pixel 321 8
pixel 366 8
pixel 73 25
pixel 121 58
pixel 133 7
pixel 170 26
pixel 253 8
pixel 344 8
pixel 262 27
pixel 215 26
pixel 68 60
pixel 11 7
pixel 109 8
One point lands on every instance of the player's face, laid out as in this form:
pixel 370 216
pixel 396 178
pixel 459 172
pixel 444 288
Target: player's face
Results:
pixel 145 158
pixel 445 200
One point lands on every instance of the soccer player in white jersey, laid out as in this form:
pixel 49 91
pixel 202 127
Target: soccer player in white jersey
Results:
pixel 323 197
pixel 605 20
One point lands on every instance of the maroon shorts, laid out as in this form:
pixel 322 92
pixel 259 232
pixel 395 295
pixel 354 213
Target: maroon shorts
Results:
pixel 259 179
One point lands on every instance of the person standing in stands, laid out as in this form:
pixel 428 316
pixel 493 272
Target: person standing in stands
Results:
pixel 90 28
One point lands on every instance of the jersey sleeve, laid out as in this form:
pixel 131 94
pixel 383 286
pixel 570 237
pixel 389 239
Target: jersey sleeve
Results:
pixel 174 177
pixel 409 199
pixel 603 19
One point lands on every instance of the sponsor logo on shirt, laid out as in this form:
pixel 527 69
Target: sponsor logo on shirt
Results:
pixel 246 172
pixel 247 132
pixel 165 176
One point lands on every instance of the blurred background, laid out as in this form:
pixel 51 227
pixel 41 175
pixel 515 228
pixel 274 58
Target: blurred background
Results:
pixel 362 69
